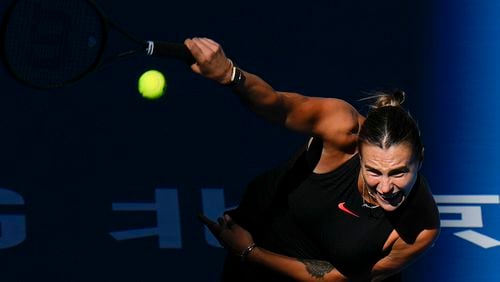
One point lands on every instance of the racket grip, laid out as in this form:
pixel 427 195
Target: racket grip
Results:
pixel 172 50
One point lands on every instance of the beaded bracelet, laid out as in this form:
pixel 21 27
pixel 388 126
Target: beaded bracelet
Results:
pixel 246 252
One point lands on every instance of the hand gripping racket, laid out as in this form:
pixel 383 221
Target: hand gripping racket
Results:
pixel 53 43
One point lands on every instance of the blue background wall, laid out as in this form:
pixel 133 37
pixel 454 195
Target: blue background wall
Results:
pixel 81 164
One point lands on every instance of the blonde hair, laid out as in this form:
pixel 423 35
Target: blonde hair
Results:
pixel 385 98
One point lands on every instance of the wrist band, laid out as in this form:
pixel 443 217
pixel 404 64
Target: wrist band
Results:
pixel 247 252
pixel 237 77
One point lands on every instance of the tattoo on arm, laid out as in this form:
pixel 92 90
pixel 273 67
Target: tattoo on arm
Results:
pixel 317 268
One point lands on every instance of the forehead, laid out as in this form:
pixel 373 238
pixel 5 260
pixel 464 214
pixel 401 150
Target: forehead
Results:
pixel 395 156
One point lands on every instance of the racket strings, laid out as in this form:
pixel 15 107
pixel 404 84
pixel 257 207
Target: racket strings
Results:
pixel 125 54
pixel 128 53
pixel 62 41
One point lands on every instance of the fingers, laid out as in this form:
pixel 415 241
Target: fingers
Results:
pixel 196 68
pixel 230 224
pixel 205 220
pixel 221 221
pixel 217 228
pixel 201 48
pixel 206 45
pixel 211 62
pixel 196 52
pixel 213 43
pixel 193 48
pixel 225 222
pixel 211 225
pixel 229 221
pixel 229 234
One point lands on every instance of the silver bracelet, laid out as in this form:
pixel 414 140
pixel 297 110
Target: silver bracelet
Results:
pixel 246 252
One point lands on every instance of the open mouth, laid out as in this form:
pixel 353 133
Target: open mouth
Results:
pixel 394 199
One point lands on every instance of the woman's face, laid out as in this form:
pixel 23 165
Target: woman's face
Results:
pixel 389 174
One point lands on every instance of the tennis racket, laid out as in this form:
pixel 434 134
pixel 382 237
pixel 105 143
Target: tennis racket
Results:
pixel 53 43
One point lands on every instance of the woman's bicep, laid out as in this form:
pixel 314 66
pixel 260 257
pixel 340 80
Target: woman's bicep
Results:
pixel 322 117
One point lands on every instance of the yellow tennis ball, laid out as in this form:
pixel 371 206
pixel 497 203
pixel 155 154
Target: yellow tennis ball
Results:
pixel 152 84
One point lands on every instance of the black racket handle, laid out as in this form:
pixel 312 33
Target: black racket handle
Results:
pixel 172 50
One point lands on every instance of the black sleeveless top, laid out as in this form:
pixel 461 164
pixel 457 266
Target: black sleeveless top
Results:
pixel 295 212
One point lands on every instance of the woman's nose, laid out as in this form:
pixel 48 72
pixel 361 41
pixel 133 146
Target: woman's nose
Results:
pixel 385 186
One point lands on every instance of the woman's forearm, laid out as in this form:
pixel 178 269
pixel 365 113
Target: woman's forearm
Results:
pixel 298 269
pixel 266 102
